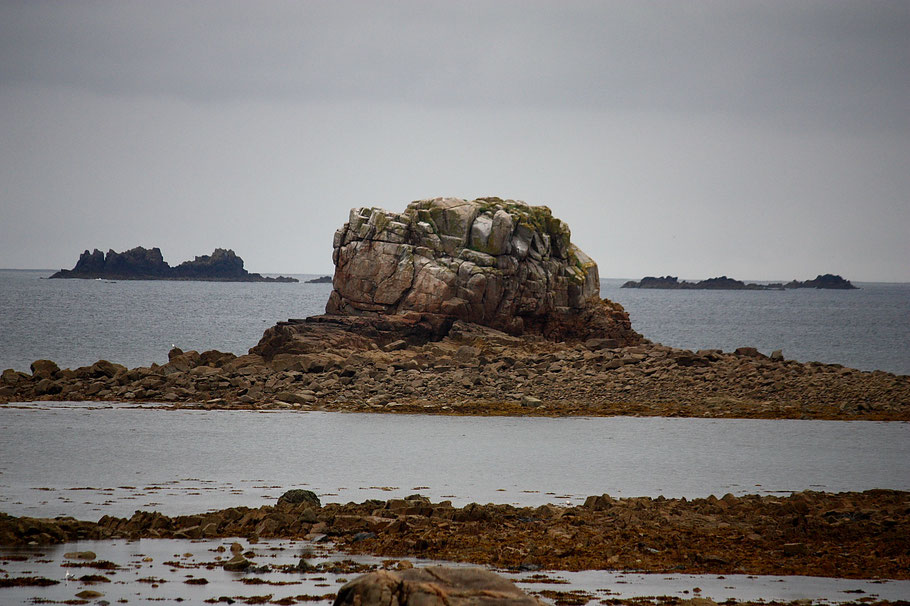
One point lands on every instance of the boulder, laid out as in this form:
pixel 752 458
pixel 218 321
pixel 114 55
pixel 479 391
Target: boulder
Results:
pixel 238 563
pixel 499 263
pixel 296 496
pixel 433 586
pixel 13 377
pixel 44 369
pixel 103 368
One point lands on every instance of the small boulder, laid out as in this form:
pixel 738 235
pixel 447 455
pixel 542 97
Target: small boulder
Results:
pixel 103 368
pixel 12 377
pixel 396 345
pixel 296 397
pixel 298 495
pixel 433 586
pixel 237 564
pixel 44 369
pixel 47 387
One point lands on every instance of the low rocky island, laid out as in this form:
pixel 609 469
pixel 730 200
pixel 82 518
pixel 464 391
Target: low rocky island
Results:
pixel 320 280
pixel 826 281
pixel 148 264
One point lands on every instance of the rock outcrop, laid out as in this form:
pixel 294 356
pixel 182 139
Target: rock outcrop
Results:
pixel 433 586
pixel 148 264
pixel 721 283
pixel 826 281
pixel 499 263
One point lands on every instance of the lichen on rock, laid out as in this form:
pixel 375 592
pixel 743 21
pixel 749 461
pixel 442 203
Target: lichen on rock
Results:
pixel 500 263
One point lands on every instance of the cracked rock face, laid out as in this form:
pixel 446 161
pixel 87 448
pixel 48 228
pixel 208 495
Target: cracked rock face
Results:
pixel 500 263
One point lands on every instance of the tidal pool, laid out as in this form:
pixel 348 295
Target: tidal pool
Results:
pixel 191 571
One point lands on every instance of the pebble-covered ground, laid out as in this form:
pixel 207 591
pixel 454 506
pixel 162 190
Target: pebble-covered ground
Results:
pixel 482 372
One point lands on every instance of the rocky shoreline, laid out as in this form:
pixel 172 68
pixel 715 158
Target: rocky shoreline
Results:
pixel 847 535
pixel 364 365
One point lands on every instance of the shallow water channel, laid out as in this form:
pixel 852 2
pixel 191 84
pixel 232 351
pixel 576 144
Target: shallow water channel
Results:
pixel 90 460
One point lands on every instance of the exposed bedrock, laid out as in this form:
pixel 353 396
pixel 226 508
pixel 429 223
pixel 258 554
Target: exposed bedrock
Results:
pixel 499 263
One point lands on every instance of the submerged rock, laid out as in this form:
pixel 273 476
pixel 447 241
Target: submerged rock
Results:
pixel 499 263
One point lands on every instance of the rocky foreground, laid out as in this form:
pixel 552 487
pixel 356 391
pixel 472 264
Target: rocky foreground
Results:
pixel 353 364
pixel 849 535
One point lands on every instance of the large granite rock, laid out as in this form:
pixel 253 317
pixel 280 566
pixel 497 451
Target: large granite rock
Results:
pixel 500 263
pixel 433 586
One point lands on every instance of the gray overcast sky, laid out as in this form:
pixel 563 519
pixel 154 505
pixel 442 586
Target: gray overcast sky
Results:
pixel 761 140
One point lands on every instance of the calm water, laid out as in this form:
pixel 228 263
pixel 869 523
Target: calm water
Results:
pixel 72 459
pixel 867 328
pixel 77 322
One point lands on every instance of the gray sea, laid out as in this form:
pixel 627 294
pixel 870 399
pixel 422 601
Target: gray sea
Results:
pixel 135 323
pixel 89 460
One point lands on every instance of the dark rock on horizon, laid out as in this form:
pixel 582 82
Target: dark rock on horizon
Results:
pixel 320 280
pixel 295 496
pixel 720 283
pixel 139 263
pixel 725 283
pixel 827 281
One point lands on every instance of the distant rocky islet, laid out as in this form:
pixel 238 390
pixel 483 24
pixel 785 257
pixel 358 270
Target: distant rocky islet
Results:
pixel 822 281
pixel 139 263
